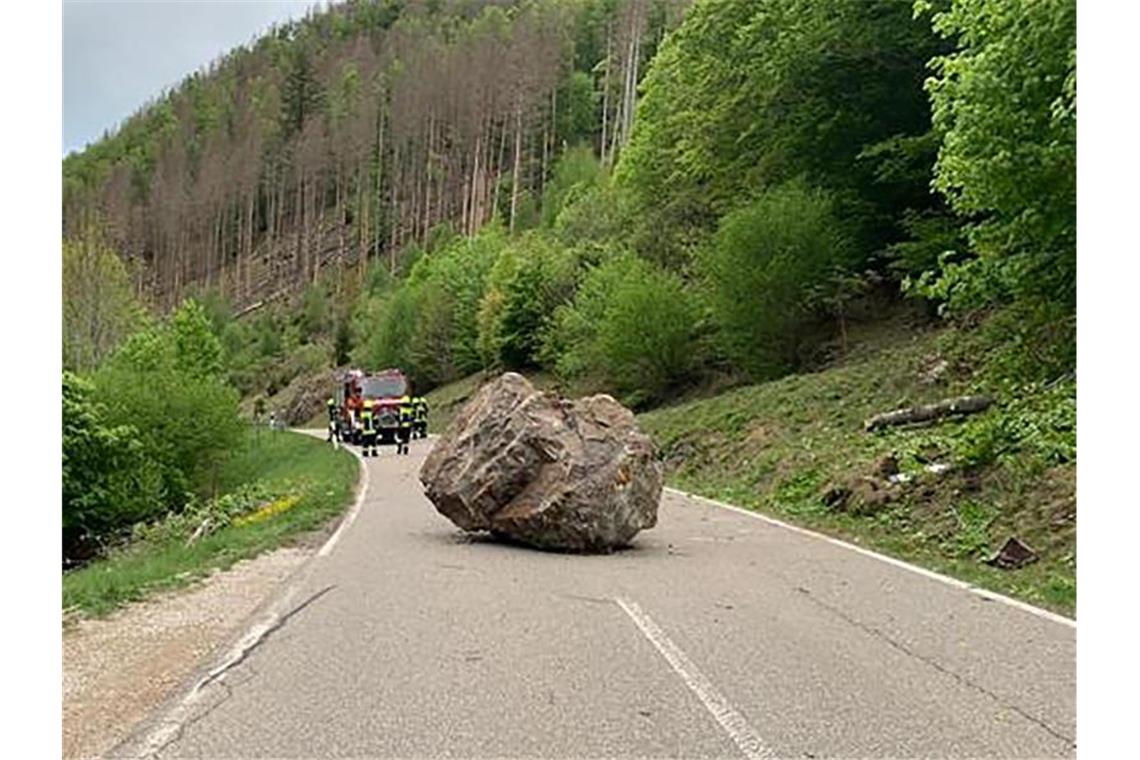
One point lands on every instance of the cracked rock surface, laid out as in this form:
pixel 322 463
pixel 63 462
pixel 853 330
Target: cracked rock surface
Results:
pixel 548 472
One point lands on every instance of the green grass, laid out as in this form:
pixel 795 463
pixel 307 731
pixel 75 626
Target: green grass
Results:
pixel 775 447
pixel 285 462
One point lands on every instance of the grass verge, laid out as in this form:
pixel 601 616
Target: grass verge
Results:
pixel 316 484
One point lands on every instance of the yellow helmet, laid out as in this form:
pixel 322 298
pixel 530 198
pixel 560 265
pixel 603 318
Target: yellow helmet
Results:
pixel 368 403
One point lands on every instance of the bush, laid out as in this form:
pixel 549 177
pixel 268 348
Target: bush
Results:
pixel 530 278
pixel 166 383
pixel 631 328
pixel 109 481
pixel 765 261
pixel 597 213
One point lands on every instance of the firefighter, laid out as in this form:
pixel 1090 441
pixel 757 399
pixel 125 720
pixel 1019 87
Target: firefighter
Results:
pixel 407 418
pixel 367 429
pixel 421 409
pixel 334 428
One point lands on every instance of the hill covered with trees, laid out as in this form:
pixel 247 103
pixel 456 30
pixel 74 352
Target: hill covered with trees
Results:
pixel 349 135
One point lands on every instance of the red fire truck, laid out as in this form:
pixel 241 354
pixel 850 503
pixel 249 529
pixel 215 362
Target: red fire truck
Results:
pixel 383 388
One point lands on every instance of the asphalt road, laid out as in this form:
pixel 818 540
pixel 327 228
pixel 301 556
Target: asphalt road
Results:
pixel 716 635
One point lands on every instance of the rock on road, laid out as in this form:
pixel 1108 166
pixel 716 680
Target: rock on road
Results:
pixel 716 635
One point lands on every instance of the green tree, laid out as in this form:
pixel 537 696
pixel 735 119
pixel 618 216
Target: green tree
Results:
pixel 99 307
pixel 531 278
pixel 109 482
pixel 1004 103
pixel 166 383
pixel 197 349
pixel 745 95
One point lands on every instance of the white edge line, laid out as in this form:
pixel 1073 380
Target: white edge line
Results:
pixel 976 590
pixel 171 723
pixel 734 724
pixel 361 492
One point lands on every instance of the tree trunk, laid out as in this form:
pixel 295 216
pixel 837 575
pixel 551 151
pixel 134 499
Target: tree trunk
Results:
pixel 959 406
pixel 517 166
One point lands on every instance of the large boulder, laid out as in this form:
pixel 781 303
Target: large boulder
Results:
pixel 552 473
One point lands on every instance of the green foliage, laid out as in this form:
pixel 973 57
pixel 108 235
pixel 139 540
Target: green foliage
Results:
pixel 197 350
pixel 762 265
pixel 427 324
pixel 594 214
pixel 166 383
pixel 316 312
pixel 99 307
pixel 631 328
pixel 204 516
pixel 577 171
pixel 530 278
pixel 163 556
pixel 972 537
pixel 746 95
pixel 575 117
pixel 1005 104
pixel 109 481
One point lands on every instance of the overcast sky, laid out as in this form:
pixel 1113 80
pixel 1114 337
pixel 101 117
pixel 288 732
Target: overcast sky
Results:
pixel 118 54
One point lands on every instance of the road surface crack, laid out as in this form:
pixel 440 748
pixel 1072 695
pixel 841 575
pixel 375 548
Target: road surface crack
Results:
pixel 260 639
pixel 214 677
pixel 873 631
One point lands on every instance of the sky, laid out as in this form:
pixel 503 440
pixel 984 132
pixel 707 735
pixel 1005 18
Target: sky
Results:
pixel 119 54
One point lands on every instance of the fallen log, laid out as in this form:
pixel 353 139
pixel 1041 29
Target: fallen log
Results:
pixel 960 406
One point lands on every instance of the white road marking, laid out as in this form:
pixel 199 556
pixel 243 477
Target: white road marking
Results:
pixel 733 723
pixel 168 728
pixel 361 491
pixel 976 590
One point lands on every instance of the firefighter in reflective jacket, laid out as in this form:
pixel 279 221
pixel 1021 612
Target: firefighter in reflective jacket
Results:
pixel 368 429
pixel 421 409
pixel 407 418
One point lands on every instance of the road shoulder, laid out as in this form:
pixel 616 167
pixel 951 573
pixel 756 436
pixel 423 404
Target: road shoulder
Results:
pixel 118 669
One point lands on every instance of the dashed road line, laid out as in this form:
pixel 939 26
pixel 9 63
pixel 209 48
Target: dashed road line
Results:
pixel 734 724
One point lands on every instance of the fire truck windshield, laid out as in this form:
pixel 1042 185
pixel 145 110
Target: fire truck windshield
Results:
pixel 383 387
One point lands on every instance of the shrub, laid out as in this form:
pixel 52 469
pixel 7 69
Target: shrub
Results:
pixel 577 171
pixel 109 481
pixel 166 382
pixel 764 262
pixel 597 213
pixel 631 327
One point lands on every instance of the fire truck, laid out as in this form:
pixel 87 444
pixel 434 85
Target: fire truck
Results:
pixel 383 388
